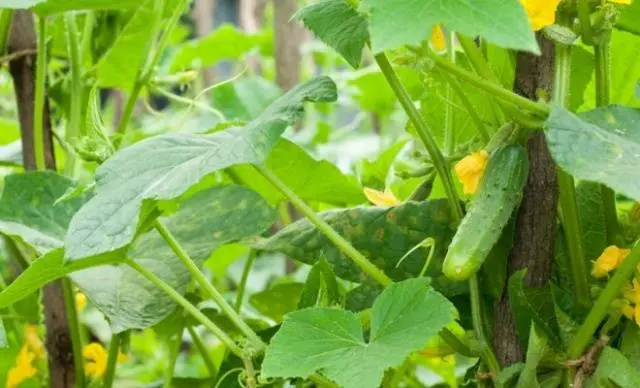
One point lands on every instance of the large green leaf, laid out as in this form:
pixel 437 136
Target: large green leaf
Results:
pixel 210 218
pixel 604 147
pixel 278 300
pixel 165 167
pixel 54 6
pixel 339 25
pixel 537 349
pixel 223 43
pixel 29 209
pixel 532 306
pixel 321 289
pixel 403 318
pixel 629 18
pixel 119 66
pixel 630 346
pixel 614 367
pixel 311 179
pixel 383 235
pixel 398 22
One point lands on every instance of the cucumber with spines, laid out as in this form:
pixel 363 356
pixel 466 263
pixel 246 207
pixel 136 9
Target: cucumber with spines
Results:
pixel 499 194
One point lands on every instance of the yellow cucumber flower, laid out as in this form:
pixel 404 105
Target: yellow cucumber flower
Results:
pixel 32 339
pixel 624 2
pixel 438 39
pixel 609 260
pixel 470 170
pixel 542 13
pixel 81 301
pixel 96 359
pixel 23 370
pixel 379 198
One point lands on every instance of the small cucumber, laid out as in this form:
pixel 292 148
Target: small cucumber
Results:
pixel 498 196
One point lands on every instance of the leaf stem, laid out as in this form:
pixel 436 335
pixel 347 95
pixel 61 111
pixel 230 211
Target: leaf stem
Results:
pixel 449 135
pixel 478 324
pixel 75 124
pixel 567 193
pixel 112 360
pixel 424 133
pixel 188 307
pixel 491 87
pixel 87 34
pixel 603 98
pixel 202 349
pixel 174 352
pixel 584 15
pixel 242 286
pixel 374 272
pixel 208 287
pixel 38 111
pixel 602 305
pixel 74 330
pixel 477 120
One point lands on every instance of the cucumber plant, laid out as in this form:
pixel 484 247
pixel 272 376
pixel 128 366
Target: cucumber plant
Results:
pixel 452 200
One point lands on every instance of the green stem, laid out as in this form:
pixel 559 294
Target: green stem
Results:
pixel 208 287
pixel 38 112
pixel 491 87
pixel 567 191
pixel 14 317
pixel 6 16
pixel 449 135
pixel 374 272
pixel 112 361
pixel 456 344
pixel 74 330
pixel 75 125
pixel 188 307
pixel 87 35
pixel 478 324
pixel 602 305
pixel 584 15
pixel 174 352
pixel 423 131
pixel 242 286
pixel 202 349
pixel 477 120
pixel 603 98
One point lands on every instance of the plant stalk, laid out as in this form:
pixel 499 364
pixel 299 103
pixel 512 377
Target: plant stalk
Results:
pixel 188 307
pixel 202 349
pixel 423 131
pixel 174 352
pixel 75 124
pixel 566 187
pixel 41 78
pixel 74 330
pixel 584 15
pixel 603 98
pixel 367 267
pixel 242 286
pixel 226 308
pixel 602 305
pixel 112 361
pixel 87 35
pixel 449 135
pixel 488 356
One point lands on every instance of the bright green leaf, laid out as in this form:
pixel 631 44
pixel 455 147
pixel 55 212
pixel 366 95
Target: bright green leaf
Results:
pixel 311 179
pixel 373 92
pixel 614 367
pixel 223 43
pixel 29 209
pixel 339 25
pixel 165 167
pixel 629 16
pixel 48 7
pixel 210 218
pixel 537 349
pixel 404 317
pixel 278 300
pixel 375 172
pixel 398 22
pixel 604 147
pixel 245 98
pixel 592 222
pixel 630 346
pixel 321 288
pixel 383 235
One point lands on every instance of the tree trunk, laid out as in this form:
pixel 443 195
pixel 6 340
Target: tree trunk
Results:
pixel 23 72
pixel 288 38
pixel 536 219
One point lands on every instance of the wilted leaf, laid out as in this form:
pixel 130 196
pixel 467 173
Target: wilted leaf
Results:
pixel 339 25
pixel 165 167
pixel 404 317
pixel 398 22
pixel 603 146
pixel 383 235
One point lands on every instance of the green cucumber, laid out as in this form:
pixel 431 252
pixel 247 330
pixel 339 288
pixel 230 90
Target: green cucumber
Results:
pixel 498 196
